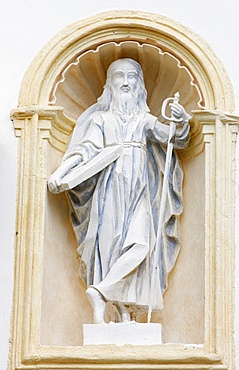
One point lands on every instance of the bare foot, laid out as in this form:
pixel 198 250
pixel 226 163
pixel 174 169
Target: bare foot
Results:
pixel 98 304
pixel 123 311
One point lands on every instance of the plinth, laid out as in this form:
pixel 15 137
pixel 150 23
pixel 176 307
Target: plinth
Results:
pixel 122 333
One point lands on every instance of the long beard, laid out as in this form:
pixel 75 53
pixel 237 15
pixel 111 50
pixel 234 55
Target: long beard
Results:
pixel 125 104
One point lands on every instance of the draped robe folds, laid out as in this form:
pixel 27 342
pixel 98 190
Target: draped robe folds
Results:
pixel 115 212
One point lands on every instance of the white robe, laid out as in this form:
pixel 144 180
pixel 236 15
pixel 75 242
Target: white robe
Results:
pixel 115 212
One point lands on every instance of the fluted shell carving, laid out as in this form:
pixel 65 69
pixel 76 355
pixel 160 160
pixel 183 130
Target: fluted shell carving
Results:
pixel 82 81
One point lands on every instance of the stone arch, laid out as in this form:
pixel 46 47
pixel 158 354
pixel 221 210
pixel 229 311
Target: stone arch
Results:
pixel 159 31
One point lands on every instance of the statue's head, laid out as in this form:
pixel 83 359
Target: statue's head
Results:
pixel 124 86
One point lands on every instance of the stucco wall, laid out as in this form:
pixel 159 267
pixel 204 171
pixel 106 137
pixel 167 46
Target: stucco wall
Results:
pixel 25 26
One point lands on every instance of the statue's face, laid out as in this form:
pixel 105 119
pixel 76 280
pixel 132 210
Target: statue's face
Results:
pixel 124 77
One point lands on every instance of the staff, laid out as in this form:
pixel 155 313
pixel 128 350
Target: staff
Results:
pixel 172 130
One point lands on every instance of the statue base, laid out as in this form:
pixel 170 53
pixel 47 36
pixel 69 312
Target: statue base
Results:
pixel 122 333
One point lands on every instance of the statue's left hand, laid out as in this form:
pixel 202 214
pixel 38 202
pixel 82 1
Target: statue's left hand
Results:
pixel 179 112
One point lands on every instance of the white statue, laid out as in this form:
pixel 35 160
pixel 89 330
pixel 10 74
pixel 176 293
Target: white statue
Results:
pixel 113 171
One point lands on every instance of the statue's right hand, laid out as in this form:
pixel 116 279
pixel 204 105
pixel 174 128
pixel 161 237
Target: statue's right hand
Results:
pixel 54 184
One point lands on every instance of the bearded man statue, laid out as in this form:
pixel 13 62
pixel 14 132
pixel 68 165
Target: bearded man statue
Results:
pixel 119 150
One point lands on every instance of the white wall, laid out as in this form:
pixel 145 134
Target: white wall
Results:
pixel 25 26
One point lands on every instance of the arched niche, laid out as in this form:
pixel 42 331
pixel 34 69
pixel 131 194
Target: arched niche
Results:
pixel 155 30
pixel 81 83
pixel 185 51
pixel 65 78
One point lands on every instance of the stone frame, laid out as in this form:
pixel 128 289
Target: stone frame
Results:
pixel 37 122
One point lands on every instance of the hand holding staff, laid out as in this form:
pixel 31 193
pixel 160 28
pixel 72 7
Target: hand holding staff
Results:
pixel 177 115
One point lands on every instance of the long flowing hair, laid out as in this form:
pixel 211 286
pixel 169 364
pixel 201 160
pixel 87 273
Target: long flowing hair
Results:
pixel 104 103
pixel 105 100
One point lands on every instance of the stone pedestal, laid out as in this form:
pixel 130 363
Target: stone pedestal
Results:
pixel 122 333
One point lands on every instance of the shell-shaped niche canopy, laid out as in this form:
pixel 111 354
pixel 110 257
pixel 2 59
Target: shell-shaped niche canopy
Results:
pixel 82 81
